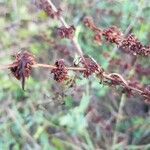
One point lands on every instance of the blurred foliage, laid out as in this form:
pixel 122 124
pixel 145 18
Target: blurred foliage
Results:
pixel 50 117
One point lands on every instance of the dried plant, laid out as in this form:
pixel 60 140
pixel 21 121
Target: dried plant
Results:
pixel 124 79
pixel 22 66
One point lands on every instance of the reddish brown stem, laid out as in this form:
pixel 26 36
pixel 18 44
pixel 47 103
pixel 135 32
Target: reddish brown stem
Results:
pixel 106 76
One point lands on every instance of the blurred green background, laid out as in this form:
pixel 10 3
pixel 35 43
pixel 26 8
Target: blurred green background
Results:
pixel 79 114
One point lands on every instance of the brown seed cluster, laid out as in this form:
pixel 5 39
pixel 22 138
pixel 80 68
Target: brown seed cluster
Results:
pixel 113 35
pixel 23 66
pixel 90 65
pixel 43 4
pixel 129 44
pixel 64 32
pixel 61 72
pixel 132 45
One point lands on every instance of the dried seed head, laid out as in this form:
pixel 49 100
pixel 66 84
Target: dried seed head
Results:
pixel 64 32
pixel 132 45
pixel 91 66
pixel 61 72
pixel 23 66
pixel 113 35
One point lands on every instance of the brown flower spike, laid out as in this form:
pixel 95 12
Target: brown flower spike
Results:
pixel 22 66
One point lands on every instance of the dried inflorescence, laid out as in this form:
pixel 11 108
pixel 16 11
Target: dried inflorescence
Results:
pixel 113 35
pixel 24 62
pixel 132 45
pixel 129 44
pixel 44 4
pixel 91 66
pixel 22 66
pixel 61 72
pixel 88 22
pixel 64 32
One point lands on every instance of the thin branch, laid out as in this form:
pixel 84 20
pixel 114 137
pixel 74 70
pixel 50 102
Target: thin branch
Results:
pixel 111 77
pixel 54 67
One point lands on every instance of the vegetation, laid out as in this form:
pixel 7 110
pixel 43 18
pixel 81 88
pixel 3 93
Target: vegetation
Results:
pixel 84 69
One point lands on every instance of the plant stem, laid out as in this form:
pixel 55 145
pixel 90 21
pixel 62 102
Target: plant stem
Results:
pixel 119 118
